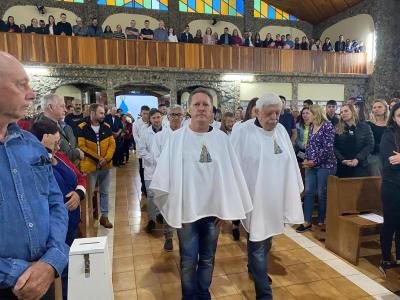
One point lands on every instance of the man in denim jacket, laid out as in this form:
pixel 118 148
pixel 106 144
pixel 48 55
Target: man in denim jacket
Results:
pixel 33 217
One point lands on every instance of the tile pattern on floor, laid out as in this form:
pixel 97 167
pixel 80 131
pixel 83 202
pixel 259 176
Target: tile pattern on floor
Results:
pixel 299 267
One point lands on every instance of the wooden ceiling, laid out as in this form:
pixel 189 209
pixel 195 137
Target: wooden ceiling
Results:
pixel 313 11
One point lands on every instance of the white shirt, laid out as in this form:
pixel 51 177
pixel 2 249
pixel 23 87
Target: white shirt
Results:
pixel 137 130
pixel 159 141
pixel 273 179
pixel 143 149
pixel 172 38
pixel 187 188
pixel 96 130
pixel 216 124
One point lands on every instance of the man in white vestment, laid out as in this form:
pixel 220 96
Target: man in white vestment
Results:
pixel 197 184
pixel 136 132
pixel 273 178
pixel 175 118
pixel 149 163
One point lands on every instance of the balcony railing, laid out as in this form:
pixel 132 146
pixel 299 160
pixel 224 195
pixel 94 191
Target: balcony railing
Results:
pixel 93 51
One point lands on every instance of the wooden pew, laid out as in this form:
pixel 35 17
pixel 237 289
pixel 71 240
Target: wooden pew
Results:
pixel 88 224
pixel 347 198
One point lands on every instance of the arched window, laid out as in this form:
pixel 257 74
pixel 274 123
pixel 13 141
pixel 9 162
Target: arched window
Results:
pixel 213 7
pixel 73 1
pixel 149 4
pixel 264 10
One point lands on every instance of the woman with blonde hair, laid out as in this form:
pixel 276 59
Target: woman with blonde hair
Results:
pixel 378 119
pixel 354 143
pixel 319 163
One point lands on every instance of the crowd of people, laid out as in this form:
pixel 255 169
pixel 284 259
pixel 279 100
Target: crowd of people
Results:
pixel 168 34
pixel 198 170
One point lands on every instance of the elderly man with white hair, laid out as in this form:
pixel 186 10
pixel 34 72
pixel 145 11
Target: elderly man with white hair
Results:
pixel 273 179
pixel 197 183
pixel 79 29
pixel 54 110
pixel 175 117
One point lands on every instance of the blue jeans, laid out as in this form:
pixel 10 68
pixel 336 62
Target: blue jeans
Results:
pixel 197 246
pixel 316 180
pixel 258 267
pixel 103 175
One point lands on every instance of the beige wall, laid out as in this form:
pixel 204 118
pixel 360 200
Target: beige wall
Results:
pixel 125 19
pixel 24 13
pixel 274 30
pixel 320 91
pixel 219 27
pixel 360 28
pixel 256 89
pixel 69 91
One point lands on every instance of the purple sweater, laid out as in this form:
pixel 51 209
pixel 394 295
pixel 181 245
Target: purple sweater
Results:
pixel 320 146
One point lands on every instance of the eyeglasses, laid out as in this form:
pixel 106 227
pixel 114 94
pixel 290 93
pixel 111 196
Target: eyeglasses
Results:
pixel 175 115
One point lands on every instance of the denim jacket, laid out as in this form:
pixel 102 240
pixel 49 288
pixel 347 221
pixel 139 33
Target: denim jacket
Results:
pixel 33 217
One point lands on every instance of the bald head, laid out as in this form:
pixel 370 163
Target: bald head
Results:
pixel 15 93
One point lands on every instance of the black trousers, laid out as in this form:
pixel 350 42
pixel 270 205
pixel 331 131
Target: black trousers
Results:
pixel 7 294
pixel 126 147
pixel 118 157
pixel 390 194
pixel 141 173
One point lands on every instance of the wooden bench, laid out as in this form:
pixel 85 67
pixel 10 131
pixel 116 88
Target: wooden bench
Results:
pixel 88 224
pixel 345 229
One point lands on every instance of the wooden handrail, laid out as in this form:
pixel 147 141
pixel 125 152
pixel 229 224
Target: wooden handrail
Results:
pixel 49 49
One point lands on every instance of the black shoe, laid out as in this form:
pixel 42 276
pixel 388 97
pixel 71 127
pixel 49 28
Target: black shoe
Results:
pixel 160 219
pixel 236 234
pixel 303 228
pixel 150 226
pixel 168 245
pixel 385 265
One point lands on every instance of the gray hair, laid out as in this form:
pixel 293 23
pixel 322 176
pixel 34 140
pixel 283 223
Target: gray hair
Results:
pixel 267 100
pixel 200 90
pixel 49 99
pixel 175 107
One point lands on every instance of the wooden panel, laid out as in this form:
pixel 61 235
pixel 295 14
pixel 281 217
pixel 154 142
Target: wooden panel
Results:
pixel 14 45
pixel 141 53
pixel 64 49
pixel 173 55
pixel 3 41
pixel 50 49
pixel 131 53
pixel 93 51
pixel 102 56
pixel 162 55
pixel 151 54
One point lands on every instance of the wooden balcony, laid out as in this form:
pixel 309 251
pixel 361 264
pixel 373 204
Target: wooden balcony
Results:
pixel 93 51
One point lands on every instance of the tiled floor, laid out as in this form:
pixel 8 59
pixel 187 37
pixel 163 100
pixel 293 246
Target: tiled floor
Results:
pixel 142 270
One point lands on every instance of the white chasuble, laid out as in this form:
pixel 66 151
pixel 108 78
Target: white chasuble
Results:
pixel 273 178
pixel 197 176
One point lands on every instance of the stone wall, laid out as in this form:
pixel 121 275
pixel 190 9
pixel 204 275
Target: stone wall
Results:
pixel 110 79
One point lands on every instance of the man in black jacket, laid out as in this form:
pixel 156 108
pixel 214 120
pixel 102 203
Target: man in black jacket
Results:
pixel 225 38
pixel 116 125
pixel 340 45
pixel 186 36
pixel 63 27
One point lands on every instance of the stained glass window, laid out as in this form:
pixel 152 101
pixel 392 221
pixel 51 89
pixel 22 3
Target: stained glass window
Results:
pixel 149 4
pixel 213 7
pixel 73 1
pixel 264 10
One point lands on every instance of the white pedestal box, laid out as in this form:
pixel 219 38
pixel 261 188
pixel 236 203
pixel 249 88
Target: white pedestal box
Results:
pixel 89 270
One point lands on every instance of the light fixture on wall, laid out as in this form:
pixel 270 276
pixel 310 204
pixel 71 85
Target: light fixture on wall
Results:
pixel 41 9
pixel 36 70
pixel 238 77
pixel 214 22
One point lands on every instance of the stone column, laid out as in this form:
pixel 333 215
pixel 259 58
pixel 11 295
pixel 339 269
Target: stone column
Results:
pixel 295 93
pixel 173 17
pixel 248 15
